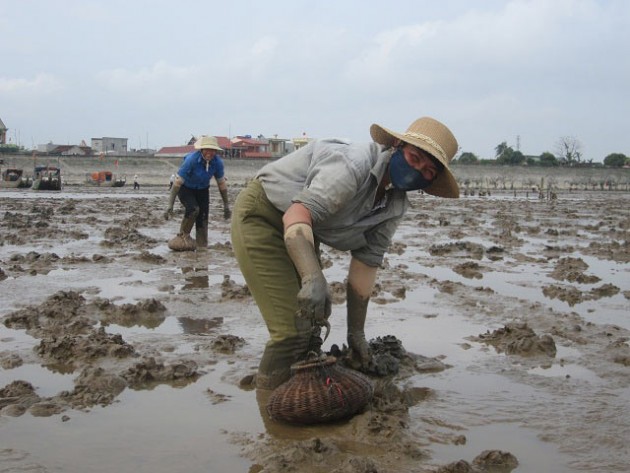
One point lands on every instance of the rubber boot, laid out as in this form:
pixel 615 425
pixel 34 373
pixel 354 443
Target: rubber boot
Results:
pixel 275 364
pixel 357 311
pixel 201 235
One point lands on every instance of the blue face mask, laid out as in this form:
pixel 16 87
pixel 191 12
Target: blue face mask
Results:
pixel 403 176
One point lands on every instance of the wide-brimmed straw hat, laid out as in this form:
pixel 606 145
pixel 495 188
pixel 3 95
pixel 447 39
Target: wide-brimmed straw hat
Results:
pixel 208 142
pixel 433 137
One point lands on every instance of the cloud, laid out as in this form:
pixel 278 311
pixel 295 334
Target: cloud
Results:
pixel 41 85
pixel 159 80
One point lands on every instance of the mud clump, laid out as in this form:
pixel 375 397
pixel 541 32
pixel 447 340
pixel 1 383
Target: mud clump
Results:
pixel 488 461
pixel 232 291
pixel 572 270
pixel 572 295
pixel 71 349
pixel 519 339
pixel 149 372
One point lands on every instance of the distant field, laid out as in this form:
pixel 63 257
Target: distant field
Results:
pixel 157 171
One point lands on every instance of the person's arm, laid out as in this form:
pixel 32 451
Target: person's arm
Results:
pixel 314 299
pixel 361 279
pixel 222 184
pixel 171 197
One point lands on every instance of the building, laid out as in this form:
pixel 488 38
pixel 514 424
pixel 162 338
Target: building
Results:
pixel 302 141
pixel 248 147
pixel 108 145
pixel 3 133
pixel 65 150
pixel 183 150
pixel 278 147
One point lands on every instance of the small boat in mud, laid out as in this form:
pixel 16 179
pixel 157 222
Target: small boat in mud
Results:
pixel 47 178
pixel 105 179
pixel 14 178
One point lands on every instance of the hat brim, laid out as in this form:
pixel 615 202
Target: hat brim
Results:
pixel 445 184
pixel 208 147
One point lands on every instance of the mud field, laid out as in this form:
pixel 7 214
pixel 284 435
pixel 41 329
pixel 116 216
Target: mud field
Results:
pixel 506 318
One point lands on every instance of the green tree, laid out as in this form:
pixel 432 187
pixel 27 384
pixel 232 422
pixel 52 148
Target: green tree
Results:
pixel 548 159
pixel 504 153
pixel 615 160
pixel 468 158
pixel 517 158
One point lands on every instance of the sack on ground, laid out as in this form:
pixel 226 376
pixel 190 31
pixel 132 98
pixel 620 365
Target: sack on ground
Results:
pixel 182 243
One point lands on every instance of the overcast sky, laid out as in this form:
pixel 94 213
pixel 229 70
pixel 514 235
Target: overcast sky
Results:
pixel 525 72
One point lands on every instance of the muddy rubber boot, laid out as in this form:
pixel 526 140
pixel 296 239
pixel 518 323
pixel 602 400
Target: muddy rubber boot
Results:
pixel 183 241
pixel 275 363
pixel 201 235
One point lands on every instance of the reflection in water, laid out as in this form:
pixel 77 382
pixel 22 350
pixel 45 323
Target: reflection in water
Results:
pixel 195 280
pixel 197 326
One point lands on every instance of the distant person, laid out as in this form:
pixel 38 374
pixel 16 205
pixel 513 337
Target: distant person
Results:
pixel 191 185
pixel 349 196
pixel 171 181
pixel 136 184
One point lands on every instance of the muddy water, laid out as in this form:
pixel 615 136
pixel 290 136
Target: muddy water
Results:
pixel 519 308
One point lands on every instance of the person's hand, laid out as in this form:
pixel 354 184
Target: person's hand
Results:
pixel 169 213
pixel 314 299
pixel 227 213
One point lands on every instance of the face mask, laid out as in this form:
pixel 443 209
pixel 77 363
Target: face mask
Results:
pixel 403 176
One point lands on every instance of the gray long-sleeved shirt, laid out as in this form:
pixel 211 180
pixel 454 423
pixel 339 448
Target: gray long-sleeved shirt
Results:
pixel 336 180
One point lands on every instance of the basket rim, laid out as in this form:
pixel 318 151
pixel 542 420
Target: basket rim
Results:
pixel 324 360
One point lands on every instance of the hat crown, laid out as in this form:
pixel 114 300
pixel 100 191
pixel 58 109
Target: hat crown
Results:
pixel 433 135
pixel 207 142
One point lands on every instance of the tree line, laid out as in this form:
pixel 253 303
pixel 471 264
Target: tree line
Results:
pixel 568 152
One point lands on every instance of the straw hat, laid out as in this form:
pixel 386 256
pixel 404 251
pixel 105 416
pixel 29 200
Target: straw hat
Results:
pixel 208 142
pixel 433 137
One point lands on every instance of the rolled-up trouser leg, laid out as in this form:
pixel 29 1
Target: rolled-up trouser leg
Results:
pixel 258 242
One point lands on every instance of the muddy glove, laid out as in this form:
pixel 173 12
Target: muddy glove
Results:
pixel 171 201
pixel 227 213
pixel 314 299
pixel 361 280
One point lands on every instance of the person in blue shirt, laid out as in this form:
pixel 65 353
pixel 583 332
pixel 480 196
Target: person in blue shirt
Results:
pixel 191 185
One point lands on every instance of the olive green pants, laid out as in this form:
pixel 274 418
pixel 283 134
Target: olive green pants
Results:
pixel 258 243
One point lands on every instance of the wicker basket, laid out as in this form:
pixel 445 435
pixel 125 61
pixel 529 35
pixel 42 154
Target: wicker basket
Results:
pixel 320 391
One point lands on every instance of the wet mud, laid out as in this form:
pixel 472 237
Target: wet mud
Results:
pixel 500 327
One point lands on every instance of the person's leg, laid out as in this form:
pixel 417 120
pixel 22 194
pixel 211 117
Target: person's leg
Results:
pixel 201 224
pixel 189 201
pixel 258 243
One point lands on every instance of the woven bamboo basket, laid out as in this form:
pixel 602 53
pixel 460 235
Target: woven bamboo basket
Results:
pixel 320 391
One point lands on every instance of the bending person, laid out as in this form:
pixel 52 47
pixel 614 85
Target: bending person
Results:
pixel 348 196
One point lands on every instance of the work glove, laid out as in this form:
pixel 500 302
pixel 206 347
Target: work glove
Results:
pixel 314 299
pixel 171 202
pixel 226 207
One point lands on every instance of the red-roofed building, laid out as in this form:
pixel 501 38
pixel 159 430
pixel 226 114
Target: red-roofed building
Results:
pixel 174 151
pixel 248 147
pixel 181 151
